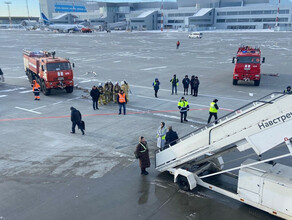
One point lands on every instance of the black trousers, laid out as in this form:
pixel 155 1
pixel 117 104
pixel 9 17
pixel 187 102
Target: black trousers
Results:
pixel 79 126
pixel 196 91
pixel 183 116
pixel 95 104
pixel 210 116
pixel 156 92
pixel 186 90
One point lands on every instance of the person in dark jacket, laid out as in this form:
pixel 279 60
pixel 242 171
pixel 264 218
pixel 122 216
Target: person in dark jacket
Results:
pixel 155 85
pixel 183 106
pixel 192 84
pixel 288 90
pixel 142 153
pixel 213 110
pixel 196 86
pixel 177 44
pixel 76 120
pixel 122 100
pixel 95 93
pixel 174 83
pixel 171 137
pixel 186 83
pixel 1 76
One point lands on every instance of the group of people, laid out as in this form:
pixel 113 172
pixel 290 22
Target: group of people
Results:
pixel 165 138
pixel 110 92
pixel 187 83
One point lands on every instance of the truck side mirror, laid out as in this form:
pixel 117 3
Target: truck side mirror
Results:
pixel 264 59
pixel 73 65
pixel 233 59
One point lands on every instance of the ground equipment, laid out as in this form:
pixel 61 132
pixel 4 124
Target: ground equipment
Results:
pixel 49 71
pixel 247 65
pixel 261 126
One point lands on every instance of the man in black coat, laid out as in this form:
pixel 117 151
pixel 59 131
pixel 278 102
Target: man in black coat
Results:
pixel 170 138
pixel 1 76
pixel 95 93
pixel 186 83
pixel 76 120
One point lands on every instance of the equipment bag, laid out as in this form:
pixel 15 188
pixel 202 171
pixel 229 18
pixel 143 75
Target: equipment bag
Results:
pixel 82 125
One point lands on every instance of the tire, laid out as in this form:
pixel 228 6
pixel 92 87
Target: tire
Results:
pixel 257 82
pixel 235 81
pixel 183 183
pixel 69 89
pixel 29 76
pixel 44 88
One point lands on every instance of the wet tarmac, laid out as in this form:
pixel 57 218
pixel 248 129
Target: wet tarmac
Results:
pixel 48 173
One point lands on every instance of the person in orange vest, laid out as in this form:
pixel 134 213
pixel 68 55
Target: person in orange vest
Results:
pixel 122 100
pixel 36 90
pixel 177 44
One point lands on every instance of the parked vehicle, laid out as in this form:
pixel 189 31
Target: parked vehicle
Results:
pixel 247 65
pixel 49 71
pixel 196 35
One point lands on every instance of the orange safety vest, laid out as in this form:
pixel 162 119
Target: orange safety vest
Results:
pixel 36 86
pixel 122 98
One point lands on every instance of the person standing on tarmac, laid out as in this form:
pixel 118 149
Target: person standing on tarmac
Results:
pixel 196 86
pixel 288 90
pixel 186 83
pixel 94 93
pixel 192 84
pixel 177 44
pixel 116 91
pixel 1 76
pixel 183 106
pixel 174 83
pixel 122 100
pixel 76 120
pixel 160 134
pixel 36 90
pixel 213 110
pixel 111 88
pixel 155 85
pixel 142 153
pixel 101 99
pixel 126 88
pixel 170 138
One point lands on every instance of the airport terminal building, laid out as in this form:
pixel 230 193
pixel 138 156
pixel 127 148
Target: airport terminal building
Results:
pixel 188 15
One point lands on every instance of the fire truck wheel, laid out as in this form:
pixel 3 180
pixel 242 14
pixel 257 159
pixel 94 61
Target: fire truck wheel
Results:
pixel 183 183
pixel 69 89
pixel 235 82
pixel 257 82
pixel 44 89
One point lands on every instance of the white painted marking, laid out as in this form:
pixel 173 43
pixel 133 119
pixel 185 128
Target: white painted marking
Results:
pixel 12 90
pixel 27 91
pixel 203 95
pixel 73 99
pixel 117 61
pixel 28 110
pixel 154 68
pixel 85 81
pixel 56 103
pixel 39 107
pixel 1 96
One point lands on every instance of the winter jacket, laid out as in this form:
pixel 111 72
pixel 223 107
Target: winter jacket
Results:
pixel 155 85
pixel 161 132
pixel 186 82
pixel 171 137
pixel 75 115
pixel 95 93
pixel 1 73
pixel 143 154
pixel 196 83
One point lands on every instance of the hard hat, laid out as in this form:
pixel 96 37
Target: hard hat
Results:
pixel 99 84
pixel 116 83
pixel 122 83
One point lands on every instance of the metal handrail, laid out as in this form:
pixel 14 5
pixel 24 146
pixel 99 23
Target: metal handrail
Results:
pixel 227 115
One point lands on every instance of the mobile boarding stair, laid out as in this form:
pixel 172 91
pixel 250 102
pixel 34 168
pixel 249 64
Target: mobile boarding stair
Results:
pixel 260 125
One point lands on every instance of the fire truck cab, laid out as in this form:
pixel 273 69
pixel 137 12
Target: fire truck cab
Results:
pixel 247 65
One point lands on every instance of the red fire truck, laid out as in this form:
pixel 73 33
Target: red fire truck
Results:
pixel 49 71
pixel 247 65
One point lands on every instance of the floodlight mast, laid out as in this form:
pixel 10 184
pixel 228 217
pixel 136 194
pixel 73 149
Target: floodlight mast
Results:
pixel 8 5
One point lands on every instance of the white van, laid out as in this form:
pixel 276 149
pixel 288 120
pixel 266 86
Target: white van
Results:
pixel 195 35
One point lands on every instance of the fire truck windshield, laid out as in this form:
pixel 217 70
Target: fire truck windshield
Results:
pixel 248 60
pixel 58 66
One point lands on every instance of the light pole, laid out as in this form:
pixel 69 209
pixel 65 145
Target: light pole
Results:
pixel 8 5
pixel 27 10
